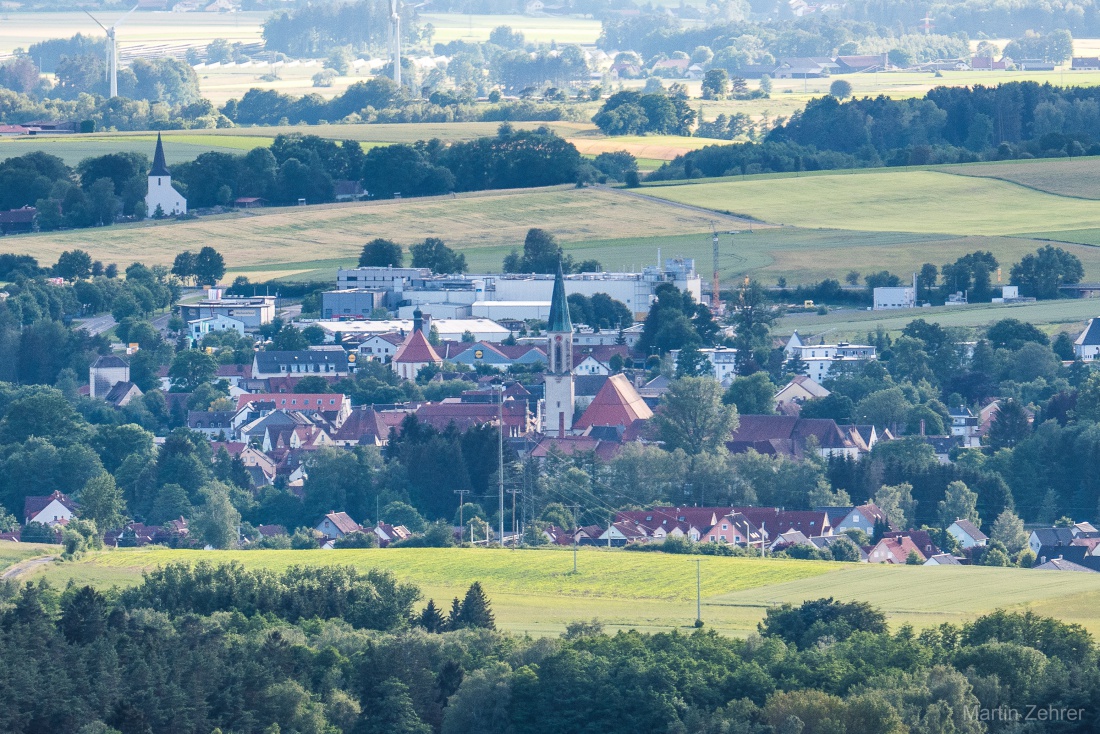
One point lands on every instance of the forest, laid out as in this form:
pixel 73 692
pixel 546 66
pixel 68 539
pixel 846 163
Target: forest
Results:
pixel 948 125
pixel 253 652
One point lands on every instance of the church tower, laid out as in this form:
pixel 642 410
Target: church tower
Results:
pixel 559 375
pixel 161 193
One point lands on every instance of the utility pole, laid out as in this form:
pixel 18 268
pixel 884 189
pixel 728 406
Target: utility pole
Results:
pixel 461 503
pixel 574 508
pixel 500 456
pixel 514 491
pixel 698 593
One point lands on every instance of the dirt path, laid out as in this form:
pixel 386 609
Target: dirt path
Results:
pixel 723 216
pixel 14 572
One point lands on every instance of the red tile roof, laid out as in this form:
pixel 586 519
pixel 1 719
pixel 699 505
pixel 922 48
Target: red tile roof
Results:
pixel 616 404
pixel 416 350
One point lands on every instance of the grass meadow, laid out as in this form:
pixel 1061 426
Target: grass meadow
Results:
pixel 1052 316
pixel 537 591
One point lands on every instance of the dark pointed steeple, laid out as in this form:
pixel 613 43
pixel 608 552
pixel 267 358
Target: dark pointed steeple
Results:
pixel 160 168
pixel 559 306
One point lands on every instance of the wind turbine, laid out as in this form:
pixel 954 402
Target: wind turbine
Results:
pixel 395 40
pixel 112 49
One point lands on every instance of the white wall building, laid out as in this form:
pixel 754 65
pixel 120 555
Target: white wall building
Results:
pixel 820 358
pixel 1087 346
pixel 161 193
pixel 218 322
pixel 893 298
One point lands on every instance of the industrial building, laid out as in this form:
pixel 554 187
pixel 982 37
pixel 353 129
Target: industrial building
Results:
pixel 524 293
pixel 351 303
pixel 252 311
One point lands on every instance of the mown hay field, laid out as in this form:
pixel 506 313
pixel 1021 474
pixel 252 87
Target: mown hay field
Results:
pixel 492 223
pixel 536 591
pixel 1076 177
pixel 893 201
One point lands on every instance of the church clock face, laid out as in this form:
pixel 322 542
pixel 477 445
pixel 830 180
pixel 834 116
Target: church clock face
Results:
pixel 557 338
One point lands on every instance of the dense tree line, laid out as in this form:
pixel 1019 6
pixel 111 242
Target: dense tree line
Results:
pixel 87 660
pixel 948 125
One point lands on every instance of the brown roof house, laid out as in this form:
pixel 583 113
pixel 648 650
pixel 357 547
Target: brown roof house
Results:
pixel 53 509
pixel 336 525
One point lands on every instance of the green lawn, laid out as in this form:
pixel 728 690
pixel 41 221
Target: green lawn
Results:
pixel 536 591
pixel 178 148
pixel 893 201
pixel 12 553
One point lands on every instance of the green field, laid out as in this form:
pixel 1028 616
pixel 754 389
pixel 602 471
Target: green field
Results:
pixel 180 146
pixel 536 591
pixel 894 201
pixel 1053 316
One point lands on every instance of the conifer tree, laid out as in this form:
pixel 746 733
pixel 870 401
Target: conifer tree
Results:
pixel 476 612
pixel 454 619
pixel 431 619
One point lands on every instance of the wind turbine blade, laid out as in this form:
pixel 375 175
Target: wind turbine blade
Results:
pixel 124 17
pixel 96 21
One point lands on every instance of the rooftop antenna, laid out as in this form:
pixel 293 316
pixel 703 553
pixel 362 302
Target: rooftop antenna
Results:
pixel 395 40
pixel 112 48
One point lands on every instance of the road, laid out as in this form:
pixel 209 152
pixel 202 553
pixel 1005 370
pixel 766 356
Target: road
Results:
pixel 23 567
pixel 96 325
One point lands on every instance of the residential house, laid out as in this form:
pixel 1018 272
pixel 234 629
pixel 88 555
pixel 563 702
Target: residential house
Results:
pixel 895 551
pixel 364 426
pixel 53 509
pixel 781 435
pixel 789 538
pixel 825 542
pixel 723 362
pixel 967 534
pixel 517 420
pixel 1060 564
pixel 672 67
pixel 336 525
pixel 620 533
pixel 380 347
pixel 390 533
pixel 1049 538
pixel 942 559
pixel 773 521
pixel 212 423
pixel 557 536
pixel 733 528
pixel 965 425
pixel 348 190
pixel 861 517
pixel 329 362
pixel 18 221
pixel 334 408
pixel 920 538
pixel 798 391
pixel 121 394
pixel 1087 345
pixel 820 358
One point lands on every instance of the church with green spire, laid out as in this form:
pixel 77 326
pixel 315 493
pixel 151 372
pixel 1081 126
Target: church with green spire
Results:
pixel 162 199
pixel 560 395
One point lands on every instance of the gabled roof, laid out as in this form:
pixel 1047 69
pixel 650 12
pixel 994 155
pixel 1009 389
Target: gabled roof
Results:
pixel 943 559
pixel 968 527
pixel 34 505
pixel 343 522
pixel 1053 536
pixel 160 168
pixel 1091 335
pixel 320 402
pixel 616 404
pixel 559 321
pixel 898 549
pixel 1060 564
pixel 416 350
pixel 363 426
pixel 921 540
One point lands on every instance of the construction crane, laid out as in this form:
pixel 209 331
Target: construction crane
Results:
pixel 112 49
pixel 395 40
